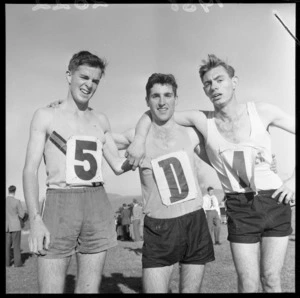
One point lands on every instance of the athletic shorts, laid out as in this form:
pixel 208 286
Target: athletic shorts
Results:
pixel 79 220
pixel 250 217
pixel 184 239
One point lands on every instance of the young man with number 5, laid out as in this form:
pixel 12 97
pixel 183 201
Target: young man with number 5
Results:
pixel 77 216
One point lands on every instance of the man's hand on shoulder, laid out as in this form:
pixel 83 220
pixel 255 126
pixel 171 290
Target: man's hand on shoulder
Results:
pixel 55 103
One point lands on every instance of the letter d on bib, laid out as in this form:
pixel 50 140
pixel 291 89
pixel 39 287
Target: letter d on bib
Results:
pixel 174 178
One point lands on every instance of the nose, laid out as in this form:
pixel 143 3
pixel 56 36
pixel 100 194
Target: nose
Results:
pixel 162 101
pixel 214 86
pixel 89 83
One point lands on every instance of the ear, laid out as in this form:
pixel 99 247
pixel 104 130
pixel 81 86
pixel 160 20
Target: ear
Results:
pixel 176 100
pixel 147 101
pixel 68 76
pixel 235 81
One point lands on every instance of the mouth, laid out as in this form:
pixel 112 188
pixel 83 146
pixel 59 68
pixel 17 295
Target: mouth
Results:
pixel 85 92
pixel 216 96
pixel 162 110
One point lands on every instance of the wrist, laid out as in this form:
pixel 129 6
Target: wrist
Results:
pixel 35 217
pixel 139 138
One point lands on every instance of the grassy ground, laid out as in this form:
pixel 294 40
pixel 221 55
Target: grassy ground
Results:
pixel 122 272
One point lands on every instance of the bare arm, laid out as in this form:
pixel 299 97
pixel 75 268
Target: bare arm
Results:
pixel 117 163
pixel 200 146
pixel 136 151
pixel 272 116
pixel 35 148
pixel 123 140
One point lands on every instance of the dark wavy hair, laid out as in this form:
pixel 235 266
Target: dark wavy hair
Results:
pixel 163 79
pixel 213 62
pixel 86 58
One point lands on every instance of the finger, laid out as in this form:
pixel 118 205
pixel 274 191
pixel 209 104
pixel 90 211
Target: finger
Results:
pixel 276 192
pixel 281 197
pixel 141 161
pixel 136 163
pixel 47 241
pixel 288 197
pixel 30 243
pixel 126 154
pixel 40 244
pixel 34 246
pixel 42 252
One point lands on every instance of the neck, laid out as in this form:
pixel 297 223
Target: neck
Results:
pixel 231 111
pixel 74 106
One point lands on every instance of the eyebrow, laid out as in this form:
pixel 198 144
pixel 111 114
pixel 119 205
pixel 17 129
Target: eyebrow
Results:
pixel 214 78
pixel 165 93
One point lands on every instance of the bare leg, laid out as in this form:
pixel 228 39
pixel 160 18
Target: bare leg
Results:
pixel 246 261
pixel 89 272
pixel 52 274
pixel 191 277
pixel 273 253
pixel 156 280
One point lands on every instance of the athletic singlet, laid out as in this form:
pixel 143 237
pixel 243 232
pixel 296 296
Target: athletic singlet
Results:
pixel 175 179
pixel 72 158
pixel 245 166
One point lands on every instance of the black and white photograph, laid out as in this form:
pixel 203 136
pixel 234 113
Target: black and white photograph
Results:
pixel 150 148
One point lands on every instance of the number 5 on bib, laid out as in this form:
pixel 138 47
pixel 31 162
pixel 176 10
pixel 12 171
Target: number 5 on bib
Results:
pixel 174 178
pixel 83 160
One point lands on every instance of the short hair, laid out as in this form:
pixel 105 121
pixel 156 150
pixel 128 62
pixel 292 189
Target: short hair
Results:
pixel 163 79
pixel 214 62
pixel 12 189
pixel 86 58
pixel 210 188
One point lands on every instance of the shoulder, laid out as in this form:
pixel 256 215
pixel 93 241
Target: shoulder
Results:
pixel 267 111
pixel 42 117
pixel 102 118
pixel 266 108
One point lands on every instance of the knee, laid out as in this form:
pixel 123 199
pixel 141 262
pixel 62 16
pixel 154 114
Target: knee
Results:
pixel 248 284
pixel 271 282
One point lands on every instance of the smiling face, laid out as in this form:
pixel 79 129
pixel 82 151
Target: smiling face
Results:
pixel 218 86
pixel 83 83
pixel 161 101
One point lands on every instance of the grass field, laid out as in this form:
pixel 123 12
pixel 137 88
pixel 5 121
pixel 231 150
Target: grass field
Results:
pixel 122 272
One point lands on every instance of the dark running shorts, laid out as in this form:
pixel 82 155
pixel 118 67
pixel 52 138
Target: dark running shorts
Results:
pixel 250 217
pixel 79 220
pixel 185 239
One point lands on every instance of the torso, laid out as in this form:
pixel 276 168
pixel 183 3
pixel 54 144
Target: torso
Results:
pixel 240 151
pixel 87 154
pixel 160 143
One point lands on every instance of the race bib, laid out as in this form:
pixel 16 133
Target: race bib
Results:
pixel 175 178
pixel 239 165
pixel 83 160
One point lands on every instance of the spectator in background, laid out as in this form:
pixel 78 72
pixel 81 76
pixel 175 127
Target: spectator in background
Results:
pixel 213 214
pixel 126 221
pixel 14 212
pixel 137 214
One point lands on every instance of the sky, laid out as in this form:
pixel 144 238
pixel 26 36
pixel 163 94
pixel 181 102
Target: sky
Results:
pixel 138 40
